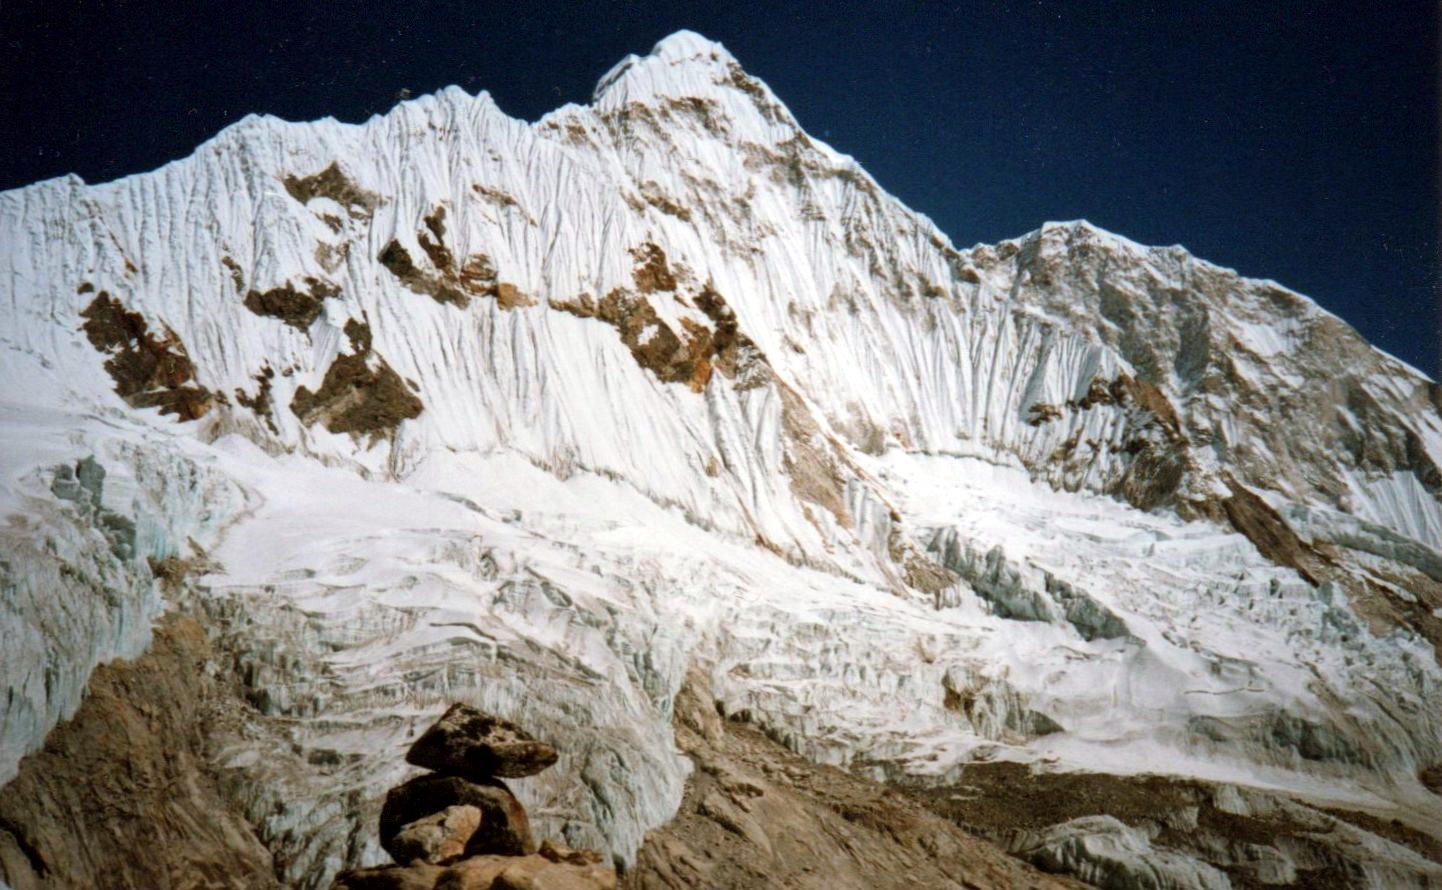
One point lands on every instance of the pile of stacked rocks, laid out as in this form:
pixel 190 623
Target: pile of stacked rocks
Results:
pixel 460 828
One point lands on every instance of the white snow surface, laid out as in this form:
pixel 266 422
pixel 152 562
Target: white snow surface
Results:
pixel 560 533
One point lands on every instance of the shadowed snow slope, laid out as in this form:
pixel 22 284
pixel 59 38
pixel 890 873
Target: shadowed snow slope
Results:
pixel 453 406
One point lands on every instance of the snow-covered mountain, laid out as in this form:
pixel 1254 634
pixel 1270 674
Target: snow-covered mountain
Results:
pixel 448 405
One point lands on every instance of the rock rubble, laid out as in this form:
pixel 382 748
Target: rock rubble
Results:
pixel 460 828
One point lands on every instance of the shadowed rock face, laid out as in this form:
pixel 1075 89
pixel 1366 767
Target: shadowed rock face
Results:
pixel 468 743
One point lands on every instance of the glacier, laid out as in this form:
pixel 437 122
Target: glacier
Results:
pixel 448 405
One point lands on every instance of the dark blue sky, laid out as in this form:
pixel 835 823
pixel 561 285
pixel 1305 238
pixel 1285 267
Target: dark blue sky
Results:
pixel 1288 139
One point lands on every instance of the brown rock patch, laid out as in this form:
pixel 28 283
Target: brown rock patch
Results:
pixel 652 342
pixel 508 296
pixel 1149 398
pixel 432 239
pixel 1154 441
pixel 397 260
pixel 261 403
pixel 334 184
pixel 687 358
pixel 149 371
pixel 924 574
pixel 494 195
pixel 651 272
pixel 731 350
pixel 1041 412
pixel 652 194
pixel 809 460
pixel 297 308
pixel 236 276
pixel 452 283
pixel 1126 390
pixel 1270 533
pixel 360 394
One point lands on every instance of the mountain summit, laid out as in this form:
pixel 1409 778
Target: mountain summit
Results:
pixel 659 408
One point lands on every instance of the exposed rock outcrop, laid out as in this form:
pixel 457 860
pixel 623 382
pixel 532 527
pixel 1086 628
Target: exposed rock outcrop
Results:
pixel 297 308
pixel 443 835
pixel 332 183
pixel 451 283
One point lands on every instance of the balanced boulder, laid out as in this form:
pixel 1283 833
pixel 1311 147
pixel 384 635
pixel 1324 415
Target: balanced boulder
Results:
pixel 503 828
pixel 474 745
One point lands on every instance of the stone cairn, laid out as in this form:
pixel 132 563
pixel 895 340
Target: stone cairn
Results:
pixel 460 828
